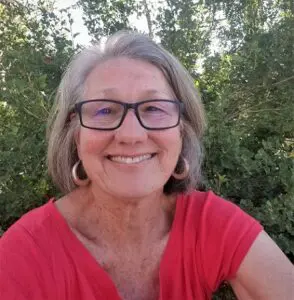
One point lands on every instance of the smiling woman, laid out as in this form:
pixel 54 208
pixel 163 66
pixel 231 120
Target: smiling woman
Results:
pixel 131 133
pixel 125 149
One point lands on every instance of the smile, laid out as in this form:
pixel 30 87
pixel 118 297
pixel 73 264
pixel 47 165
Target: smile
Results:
pixel 130 160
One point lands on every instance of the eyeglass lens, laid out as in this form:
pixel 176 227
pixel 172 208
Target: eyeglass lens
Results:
pixel 107 114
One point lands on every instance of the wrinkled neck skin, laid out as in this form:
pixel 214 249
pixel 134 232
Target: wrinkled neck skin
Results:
pixel 111 222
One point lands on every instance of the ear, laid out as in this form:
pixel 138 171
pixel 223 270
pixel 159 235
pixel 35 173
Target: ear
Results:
pixel 182 127
pixel 72 115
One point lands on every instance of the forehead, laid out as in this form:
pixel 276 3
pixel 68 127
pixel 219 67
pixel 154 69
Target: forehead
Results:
pixel 124 76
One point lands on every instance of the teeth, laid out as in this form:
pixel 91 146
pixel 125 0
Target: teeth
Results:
pixel 130 160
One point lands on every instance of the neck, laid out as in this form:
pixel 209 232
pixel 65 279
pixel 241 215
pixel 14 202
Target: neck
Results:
pixel 119 222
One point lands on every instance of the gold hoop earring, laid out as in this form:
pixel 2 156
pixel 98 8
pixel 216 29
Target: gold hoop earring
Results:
pixel 75 177
pixel 184 174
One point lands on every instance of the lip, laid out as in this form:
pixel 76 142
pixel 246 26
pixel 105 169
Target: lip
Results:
pixel 132 155
pixel 109 158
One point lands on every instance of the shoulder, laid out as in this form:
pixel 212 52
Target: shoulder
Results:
pixel 196 197
pixel 209 205
pixel 26 241
pixel 219 220
pixel 223 234
pixel 29 226
pixel 25 256
pixel 30 239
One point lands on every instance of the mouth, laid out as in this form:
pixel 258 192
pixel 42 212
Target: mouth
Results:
pixel 130 159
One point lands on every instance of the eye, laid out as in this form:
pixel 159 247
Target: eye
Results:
pixel 152 109
pixel 103 111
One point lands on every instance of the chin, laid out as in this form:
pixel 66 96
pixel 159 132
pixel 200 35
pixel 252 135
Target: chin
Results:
pixel 135 192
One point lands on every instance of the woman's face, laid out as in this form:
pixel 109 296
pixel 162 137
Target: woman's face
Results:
pixel 106 154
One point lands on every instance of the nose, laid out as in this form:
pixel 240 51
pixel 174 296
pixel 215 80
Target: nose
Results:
pixel 130 131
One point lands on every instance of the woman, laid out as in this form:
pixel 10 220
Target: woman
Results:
pixel 124 147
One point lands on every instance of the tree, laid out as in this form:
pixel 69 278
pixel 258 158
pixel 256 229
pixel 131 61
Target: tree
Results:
pixel 250 89
pixel 34 52
pixel 103 18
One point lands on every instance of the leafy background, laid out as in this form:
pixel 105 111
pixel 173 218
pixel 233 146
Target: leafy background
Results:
pixel 241 56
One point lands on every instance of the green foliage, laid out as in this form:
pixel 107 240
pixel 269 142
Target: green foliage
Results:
pixel 184 28
pixel 250 137
pixel 104 17
pixel 32 62
pixel 224 292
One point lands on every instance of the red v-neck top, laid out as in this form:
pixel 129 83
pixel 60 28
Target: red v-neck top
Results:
pixel 40 257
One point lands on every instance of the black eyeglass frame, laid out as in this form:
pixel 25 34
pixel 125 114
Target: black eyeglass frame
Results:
pixel 127 106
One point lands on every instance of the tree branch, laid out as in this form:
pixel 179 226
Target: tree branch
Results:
pixel 148 17
pixel 284 80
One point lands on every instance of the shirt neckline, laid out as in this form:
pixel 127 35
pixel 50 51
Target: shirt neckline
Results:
pixel 104 284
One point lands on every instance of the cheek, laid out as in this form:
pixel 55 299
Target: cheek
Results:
pixel 171 142
pixel 92 142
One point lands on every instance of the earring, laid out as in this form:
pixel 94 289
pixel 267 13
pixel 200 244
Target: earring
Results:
pixel 185 172
pixel 75 177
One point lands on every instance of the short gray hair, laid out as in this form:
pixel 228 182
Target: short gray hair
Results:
pixel 62 151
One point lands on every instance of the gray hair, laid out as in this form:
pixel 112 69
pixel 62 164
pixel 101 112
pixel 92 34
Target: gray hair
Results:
pixel 62 151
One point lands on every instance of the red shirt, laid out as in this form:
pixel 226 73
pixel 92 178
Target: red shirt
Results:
pixel 40 257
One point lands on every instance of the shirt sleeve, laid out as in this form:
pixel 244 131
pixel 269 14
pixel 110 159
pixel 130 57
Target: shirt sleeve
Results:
pixel 226 235
pixel 20 267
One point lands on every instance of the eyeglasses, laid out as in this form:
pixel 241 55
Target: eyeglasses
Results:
pixel 103 114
